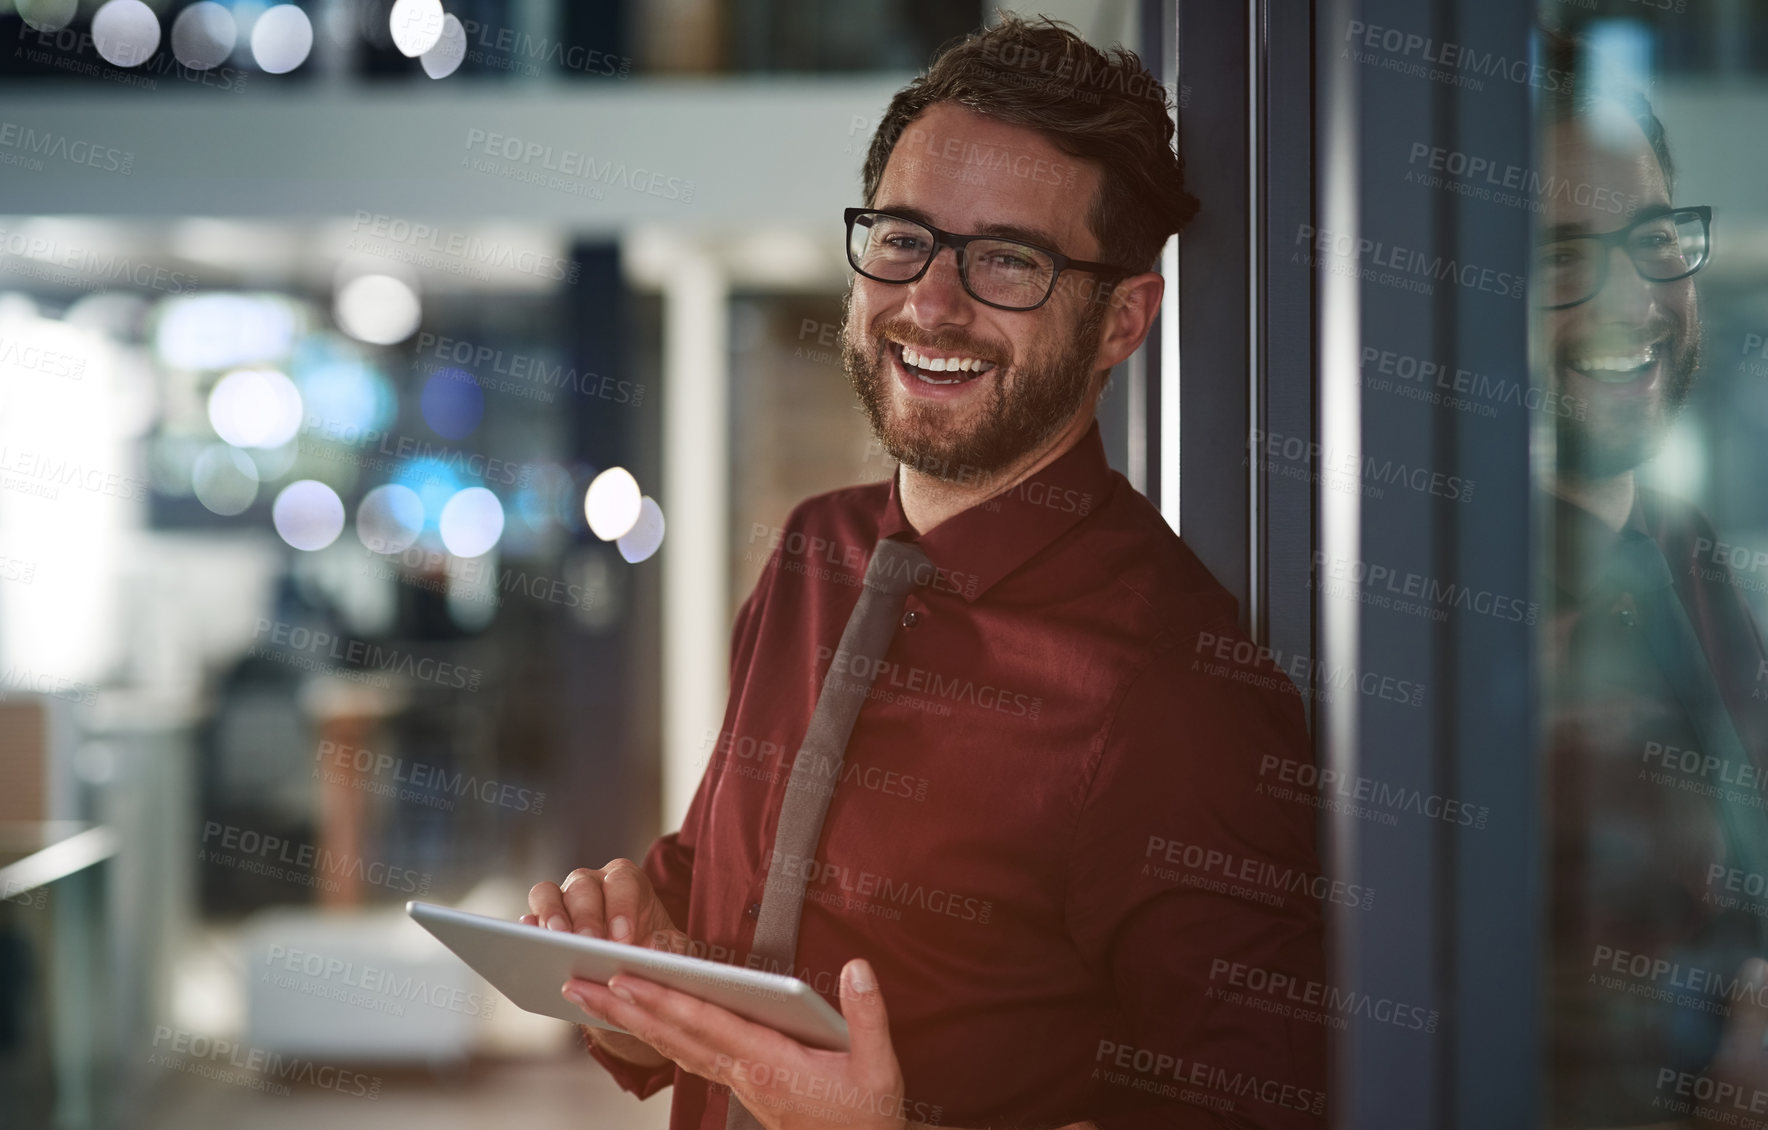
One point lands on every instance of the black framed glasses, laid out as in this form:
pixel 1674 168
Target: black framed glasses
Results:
pixel 1007 274
pixel 1664 244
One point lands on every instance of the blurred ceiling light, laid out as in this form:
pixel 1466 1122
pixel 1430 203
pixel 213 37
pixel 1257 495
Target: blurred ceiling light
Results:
pixel 225 480
pixel 48 15
pixel 646 535
pixel 445 57
pixel 282 38
pixel 274 462
pixel 452 403
pixel 612 504
pixel 471 522
pixel 255 408
pixel 114 313
pixel 389 518
pixel 125 32
pixel 378 309
pixel 219 331
pixel 416 25
pixel 308 515
pixel 204 35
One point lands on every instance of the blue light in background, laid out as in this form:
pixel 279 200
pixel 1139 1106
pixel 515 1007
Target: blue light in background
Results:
pixel 435 483
pixel 452 403
pixel 343 393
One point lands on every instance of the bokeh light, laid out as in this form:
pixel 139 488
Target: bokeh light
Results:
pixel 416 25
pixel 255 408
pixel 308 515
pixel 224 479
pixel 48 15
pixel 471 522
pixel 220 331
pixel 445 57
pixel 390 518
pixel 435 483
pixel 281 39
pixel 378 309
pixel 452 403
pixel 612 503
pixel 125 32
pixel 345 398
pixel 275 462
pixel 204 35
pixel 646 535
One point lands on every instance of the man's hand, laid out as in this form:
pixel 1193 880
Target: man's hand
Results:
pixel 618 902
pixel 785 1085
pixel 615 901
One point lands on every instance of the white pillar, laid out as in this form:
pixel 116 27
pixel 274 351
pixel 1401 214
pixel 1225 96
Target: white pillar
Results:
pixel 695 501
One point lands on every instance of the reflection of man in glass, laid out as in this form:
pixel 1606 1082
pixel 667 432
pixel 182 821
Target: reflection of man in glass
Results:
pixel 1057 840
pixel 1652 654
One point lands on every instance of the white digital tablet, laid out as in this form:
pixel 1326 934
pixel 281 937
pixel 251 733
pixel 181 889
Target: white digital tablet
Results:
pixel 529 965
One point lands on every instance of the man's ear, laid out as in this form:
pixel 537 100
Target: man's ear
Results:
pixel 1131 308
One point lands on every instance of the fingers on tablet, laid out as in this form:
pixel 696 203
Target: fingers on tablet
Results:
pixel 624 890
pixel 582 895
pixel 548 906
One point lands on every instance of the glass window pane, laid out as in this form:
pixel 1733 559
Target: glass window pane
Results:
pixel 1653 566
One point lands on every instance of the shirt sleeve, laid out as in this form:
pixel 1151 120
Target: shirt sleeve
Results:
pixel 670 865
pixel 1186 874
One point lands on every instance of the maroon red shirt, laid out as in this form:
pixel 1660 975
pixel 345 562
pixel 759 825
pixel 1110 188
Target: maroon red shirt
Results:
pixel 1050 836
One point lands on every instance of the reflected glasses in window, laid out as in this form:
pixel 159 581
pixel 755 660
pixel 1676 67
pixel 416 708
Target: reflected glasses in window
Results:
pixel 1007 274
pixel 1664 244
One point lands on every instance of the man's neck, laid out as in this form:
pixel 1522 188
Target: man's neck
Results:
pixel 927 501
pixel 1610 499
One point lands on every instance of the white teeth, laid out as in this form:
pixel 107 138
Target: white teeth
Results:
pixel 942 364
pixel 1615 364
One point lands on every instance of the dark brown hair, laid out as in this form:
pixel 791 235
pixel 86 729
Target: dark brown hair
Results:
pixel 1097 106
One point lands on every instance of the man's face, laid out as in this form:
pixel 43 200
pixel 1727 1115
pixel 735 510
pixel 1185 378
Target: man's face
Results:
pixel 967 174
pixel 1629 354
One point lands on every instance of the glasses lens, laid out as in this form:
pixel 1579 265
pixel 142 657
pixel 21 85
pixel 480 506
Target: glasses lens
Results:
pixel 1565 270
pixel 1008 273
pixel 1669 247
pixel 888 248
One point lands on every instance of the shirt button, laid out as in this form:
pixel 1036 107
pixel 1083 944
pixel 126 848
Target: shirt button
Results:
pixel 910 618
pixel 753 910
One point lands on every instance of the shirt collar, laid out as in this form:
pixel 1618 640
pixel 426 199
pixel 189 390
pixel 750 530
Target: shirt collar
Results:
pixel 979 546
pixel 1583 543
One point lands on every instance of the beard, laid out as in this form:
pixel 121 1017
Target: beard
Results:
pixel 1617 437
pixel 1028 402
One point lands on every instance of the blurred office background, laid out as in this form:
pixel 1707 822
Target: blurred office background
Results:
pixel 317 323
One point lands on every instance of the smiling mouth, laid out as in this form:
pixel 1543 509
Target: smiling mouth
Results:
pixel 1618 367
pixel 941 368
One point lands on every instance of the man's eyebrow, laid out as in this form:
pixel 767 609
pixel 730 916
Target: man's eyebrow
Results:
pixel 1565 231
pixel 1579 227
pixel 1004 231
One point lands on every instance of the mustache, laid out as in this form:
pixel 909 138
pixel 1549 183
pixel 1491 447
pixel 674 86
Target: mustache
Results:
pixel 1667 331
pixel 913 336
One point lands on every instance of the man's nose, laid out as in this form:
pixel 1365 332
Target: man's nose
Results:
pixel 938 297
pixel 1626 295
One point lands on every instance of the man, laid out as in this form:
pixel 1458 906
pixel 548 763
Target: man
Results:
pixel 1048 839
pixel 1655 732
